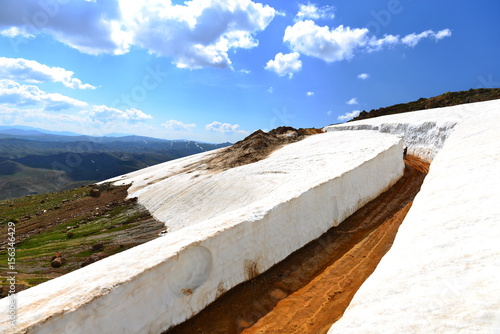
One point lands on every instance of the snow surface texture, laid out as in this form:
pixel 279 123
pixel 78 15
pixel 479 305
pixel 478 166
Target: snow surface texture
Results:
pixel 196 196
pixel 229 227
pixel 424 131
pixel 442 273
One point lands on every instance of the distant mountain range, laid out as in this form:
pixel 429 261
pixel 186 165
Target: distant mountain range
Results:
pixel 34 161
pixel 22 130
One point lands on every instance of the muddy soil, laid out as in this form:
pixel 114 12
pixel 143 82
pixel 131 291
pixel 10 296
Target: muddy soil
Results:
pixel 310 290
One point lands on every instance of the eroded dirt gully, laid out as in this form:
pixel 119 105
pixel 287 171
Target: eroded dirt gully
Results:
pixel 310 290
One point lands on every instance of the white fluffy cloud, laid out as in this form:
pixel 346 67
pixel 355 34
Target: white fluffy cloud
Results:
pixel 15 32
pixel 377 44
pixel 80 123
pixel 29 104
pixel 92 27
pixel 199 33
pixel 306 37
pixel 106 114
pixel 179 126
pixel 347 116
pixel 34 72
pixel 352 101
pixel 363 76
pixel 224 128
pixel 13 93
pixel 413 39
pixel 20 116
pixel 313 12
pixel 310 93
pixel 336 44
pixel 196 34
pixel 285 64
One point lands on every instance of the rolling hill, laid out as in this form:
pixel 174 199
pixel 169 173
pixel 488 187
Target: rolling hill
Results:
pixel 35 162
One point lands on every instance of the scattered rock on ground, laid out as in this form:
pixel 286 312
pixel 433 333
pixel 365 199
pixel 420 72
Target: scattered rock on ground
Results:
pixel 93 258
pixel 95 192
pixel 98 247
pixel 57 260
pixel 55 256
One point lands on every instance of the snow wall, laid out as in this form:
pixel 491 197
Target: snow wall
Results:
pixel 442 273
pixel 154 286
pixel 424 132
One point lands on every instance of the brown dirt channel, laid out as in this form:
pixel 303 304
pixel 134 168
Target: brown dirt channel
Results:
pixel 310 290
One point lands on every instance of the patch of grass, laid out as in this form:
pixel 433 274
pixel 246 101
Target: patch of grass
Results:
pixel 36 280
pixel 16 209
pixel 110 220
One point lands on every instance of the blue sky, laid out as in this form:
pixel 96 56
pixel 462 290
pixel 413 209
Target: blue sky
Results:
pixel 216 71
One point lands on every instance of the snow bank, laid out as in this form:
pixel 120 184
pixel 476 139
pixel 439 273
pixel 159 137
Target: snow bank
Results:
pixel 196 195
pixel 442 273
pixel 424 131
pixel 226 228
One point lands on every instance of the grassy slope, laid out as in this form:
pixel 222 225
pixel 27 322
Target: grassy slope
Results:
pixel 444 100
pixel 34 167
pixel 43 223
pixel 21 180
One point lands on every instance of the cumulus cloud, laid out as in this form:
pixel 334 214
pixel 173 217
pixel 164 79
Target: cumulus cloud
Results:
pixel 13 93
pixel 28 103
pixel 285 64
pixel 17 116
pixel 196 34
pixel 313 12
pixel 174 125
pixel 310 93
pixel 306 37
pixel 15 32
pixel 413 39
pixel 79 122
pixel 34 72
pixel 91 27
pixel 224 128
pixel 199 33
pixel 347 116
pixel 377 44
pixel 352 101
pixel 442 34
pixel 363 76
pixel 104 114
pixel 340 43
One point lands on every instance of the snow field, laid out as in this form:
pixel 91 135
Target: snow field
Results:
pixel 441 274
pixel 225 228
pixel 424 132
